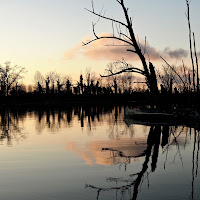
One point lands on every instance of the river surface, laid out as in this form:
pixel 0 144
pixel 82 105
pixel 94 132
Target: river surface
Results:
pixel 94 153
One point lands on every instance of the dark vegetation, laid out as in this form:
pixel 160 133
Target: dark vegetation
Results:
pixel 58 90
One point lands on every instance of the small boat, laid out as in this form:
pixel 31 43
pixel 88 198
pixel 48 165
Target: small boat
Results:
pixel 133 113
pixel 186 117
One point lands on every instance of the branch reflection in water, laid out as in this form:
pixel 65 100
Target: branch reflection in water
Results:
pixel 171 136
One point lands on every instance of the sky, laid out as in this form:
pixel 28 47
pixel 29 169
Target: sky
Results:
pixel 47 35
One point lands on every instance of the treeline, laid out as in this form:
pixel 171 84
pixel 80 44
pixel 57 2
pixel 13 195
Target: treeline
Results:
pixel 175 88
pixel 86 85
pixel 55 83
pixel 54 88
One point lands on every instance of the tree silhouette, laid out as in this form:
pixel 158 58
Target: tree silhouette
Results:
pixel 68 87
pixel 129 39
pixel 9 76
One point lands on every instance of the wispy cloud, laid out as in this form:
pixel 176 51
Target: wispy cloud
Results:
pixel 116 50
pixel 175 54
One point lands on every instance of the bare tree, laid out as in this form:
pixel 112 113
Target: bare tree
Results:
pixel 39 81
pixel 190 41
pixel 53 76
pixel 38 77
pixel 10 75
pixel 191 50
pixel 128 38
pixel 120 81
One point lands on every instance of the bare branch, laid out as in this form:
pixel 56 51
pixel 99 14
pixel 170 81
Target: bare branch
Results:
pixel 132 69
pixel 190 41
pixel 92 2
pixel 113 29
pixel 99 15
pixel 132 50
pixel 145 45
pixel 93 25
pixel 197 64
pixel 125 36
pixel 107 37
pixel 174 71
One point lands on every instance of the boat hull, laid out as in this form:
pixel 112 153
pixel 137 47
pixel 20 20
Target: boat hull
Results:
pixel 138 114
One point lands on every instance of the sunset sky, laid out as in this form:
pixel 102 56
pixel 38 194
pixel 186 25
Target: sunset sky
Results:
pixel 46 35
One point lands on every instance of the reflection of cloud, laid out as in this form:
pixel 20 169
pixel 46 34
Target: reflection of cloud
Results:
pixel 114 50
pixel 123 148
pixel 85 155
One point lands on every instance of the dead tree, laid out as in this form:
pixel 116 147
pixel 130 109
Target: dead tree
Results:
pixel 197 64
pixel 129 39
pixel 191 50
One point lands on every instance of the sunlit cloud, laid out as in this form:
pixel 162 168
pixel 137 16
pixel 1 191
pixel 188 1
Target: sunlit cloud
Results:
pixel 111 49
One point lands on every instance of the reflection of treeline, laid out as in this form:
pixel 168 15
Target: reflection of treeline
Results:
pixel 86 116
pixel 11 120
pixel 11 126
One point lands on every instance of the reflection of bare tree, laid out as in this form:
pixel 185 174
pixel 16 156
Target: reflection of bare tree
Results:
pixel 10 126
pixel 153 142
pixel 116 128
pixel 118 157
pixel 175 132
pixel 116 131
pixel 195 160
pixel 171 136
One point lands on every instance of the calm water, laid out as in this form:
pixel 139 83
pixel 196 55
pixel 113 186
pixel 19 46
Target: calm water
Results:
pixel 94 153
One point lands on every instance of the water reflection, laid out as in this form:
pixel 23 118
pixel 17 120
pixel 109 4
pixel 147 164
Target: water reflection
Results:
pixel 164 136
pixel 54 119
pixel 121 151
pixel 11 127
pixel 131 187
pixel 117 144
pixel 195 161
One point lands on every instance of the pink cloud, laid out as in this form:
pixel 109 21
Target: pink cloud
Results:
pixel 116 50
